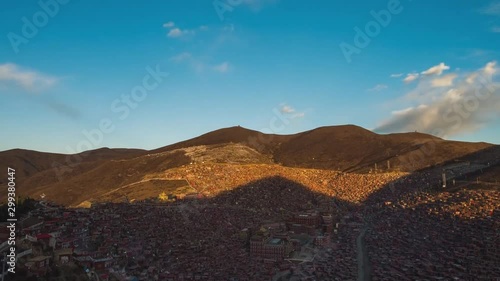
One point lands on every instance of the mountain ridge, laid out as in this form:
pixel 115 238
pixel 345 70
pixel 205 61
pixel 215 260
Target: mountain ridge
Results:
pixel 345 148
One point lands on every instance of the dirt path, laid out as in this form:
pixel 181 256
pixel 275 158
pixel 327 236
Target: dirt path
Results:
pixel 139 182
pixel 364 268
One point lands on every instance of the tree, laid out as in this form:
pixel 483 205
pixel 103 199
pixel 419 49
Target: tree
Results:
pixel 163 196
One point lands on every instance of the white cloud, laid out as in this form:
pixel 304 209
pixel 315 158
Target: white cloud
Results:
pixel 287 109
pixel 471 78
pixel 402 111
pixel 444 81
pixel 436 70
pixel 28 79
pixel 410 77
pixel 449 105
pixel 169 24
pixel 176 32
pixel 378 88
pixel 181 57
pixel 490 68
pixel 476 54
pixel 222 68
pixel 493 9
pixel 291 112
pixel 299 115
pixel 397 75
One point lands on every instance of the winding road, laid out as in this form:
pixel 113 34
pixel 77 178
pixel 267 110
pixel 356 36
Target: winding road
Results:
pixel 364 268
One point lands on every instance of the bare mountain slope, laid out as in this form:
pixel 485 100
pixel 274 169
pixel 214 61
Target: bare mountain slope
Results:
pixel 348 148
pixel 28 162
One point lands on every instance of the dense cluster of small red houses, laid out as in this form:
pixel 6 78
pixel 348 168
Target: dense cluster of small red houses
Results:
pixel 276 228
pixel 442 236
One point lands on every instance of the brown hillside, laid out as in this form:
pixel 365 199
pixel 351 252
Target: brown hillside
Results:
pixel 29 162
pixel 265 143
pixel 347 148
pixel 342 148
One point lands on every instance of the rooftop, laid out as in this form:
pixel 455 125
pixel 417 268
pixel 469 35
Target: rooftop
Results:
pixel 275 241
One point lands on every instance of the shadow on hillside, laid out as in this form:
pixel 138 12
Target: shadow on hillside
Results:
pixel 417 228
pixel 277 192
pixel 221 219
pixel 489 156
pixel 414 229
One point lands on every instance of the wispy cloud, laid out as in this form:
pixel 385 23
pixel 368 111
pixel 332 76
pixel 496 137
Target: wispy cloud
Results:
pixel 222 68
pixel 200 65
pixel 436 70
pixel 176 32
pixel 476 54
pixel 61 108
pixel 193 62
pixel 410 77
pixel 493 9
pixel 444 81
pixel 33 82
pixel 491 68
pixel 169 24
pixel 27 79
pixel 181 57
pixel 299 115
pixel 378 88
pixel 397 75
pixel 287 109
pixel 449 105
pixel 291 112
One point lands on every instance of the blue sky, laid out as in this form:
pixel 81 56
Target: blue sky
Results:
pixel 67 68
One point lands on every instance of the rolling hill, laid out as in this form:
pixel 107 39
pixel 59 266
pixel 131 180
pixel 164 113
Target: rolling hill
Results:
pixel 72 179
